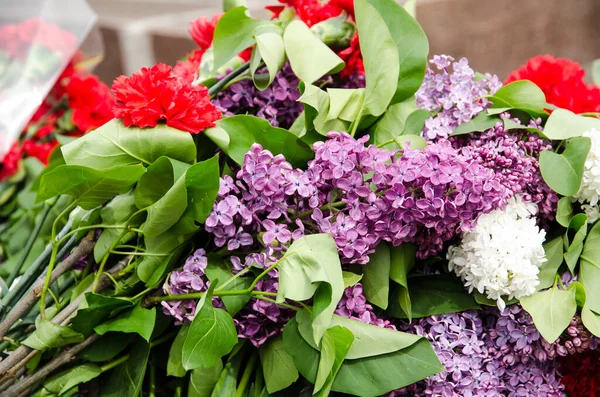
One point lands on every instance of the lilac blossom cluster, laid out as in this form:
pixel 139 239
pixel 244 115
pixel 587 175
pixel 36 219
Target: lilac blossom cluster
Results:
pixel 277 103
pixel 354 305
pixel 360 195
pixel 513 155
pixel 455 97
pixel 493 353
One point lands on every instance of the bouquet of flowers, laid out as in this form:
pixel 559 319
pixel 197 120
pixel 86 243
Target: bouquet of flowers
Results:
pixel 308 206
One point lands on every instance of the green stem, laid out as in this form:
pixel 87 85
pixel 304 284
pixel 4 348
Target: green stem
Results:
pixel 47 281
pixel 105 259
pixel 324 207
pixel 34 235
pixel 221 84
pixel 100 226
pixel 241 390
pixel 282 304
pixel 64 212
pixel 239 274
pixel 114 363
pixel 152 380
pixel 135 253
pixel 163 339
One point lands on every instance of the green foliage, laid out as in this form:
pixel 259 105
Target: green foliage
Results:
pixel 127 378
pixel 589 269
pixel 269 48
pixel 204 380
pixel 277 365
pixel 376 43
pixel 62 382
pixel 481 122
pixel 564 211
pixel 563 172
pixel 376 276
pixel 235 135
pixel 309 57
pixel 113 145
pixel 48 335
pixel 174 363
pixel 551 311
pixel 116 213
pixel 520 95
pixel 564 124
pixel 211 335
pixel 94 308
pixel 578 226
pixel 335 344
pixel 138 320
pixel 311 269
pixel 216 271
pixel 106 348
pixel 89 187
pixel 350 279
pixel 554 255
pixel 435 294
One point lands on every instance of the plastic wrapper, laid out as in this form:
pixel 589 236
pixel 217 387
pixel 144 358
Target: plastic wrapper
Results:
pixel 38 38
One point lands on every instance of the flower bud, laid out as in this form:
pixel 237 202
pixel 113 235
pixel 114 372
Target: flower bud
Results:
pixel 335 32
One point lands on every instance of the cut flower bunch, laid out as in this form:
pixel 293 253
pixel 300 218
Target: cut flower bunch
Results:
pixel 307 205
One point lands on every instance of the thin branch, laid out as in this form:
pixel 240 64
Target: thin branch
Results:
pixel 84 248
pixel 63 358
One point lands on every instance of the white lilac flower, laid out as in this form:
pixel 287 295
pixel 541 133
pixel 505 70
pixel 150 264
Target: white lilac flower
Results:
pixel 589 192
pixel 501 256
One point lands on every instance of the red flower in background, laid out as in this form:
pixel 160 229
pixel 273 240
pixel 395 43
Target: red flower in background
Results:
pixel 91 102
pixel 41 150
pixel 353 59
pixel 155 94
pixel 17 39
pixel 562 82
pixel 203 30
pixel 580 374
pixel 10 163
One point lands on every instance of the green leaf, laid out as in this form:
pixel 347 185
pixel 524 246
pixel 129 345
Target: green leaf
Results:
pixel 106 348
pixel 416 122
pixel 204 380
pixel 392 123
pixel 174 364
pixel 579 293
pixel 403 259
pixel 116 213
pixel 350 279
pixel 523 95
pixel 48 335
pixel 202 182
pixel 212 335
pixel 376 43
pixel 376 277
pixel 551 311
pixel 62 382
pixel 369 340
pixel 269 48
pixel 162 249
pixel 218 273
pixel 564 124
pixel 411 44
pixel 371 376
pixel 591 320
pixel 311 269
pixel 589 268
pixel 563 172
pixel 238 133
pixel 578 224
pixel 234 33
pixel 335 344
pixel 94 308
pixel 481 122
pixel 158 180
pixel 127 378
pixel 554 256
pixel 89 187
pixel 138 320
pixel 435 294
pixel 564 211
pixel 113 144
pixel 278 366
pixel 303 48
pixel 167 210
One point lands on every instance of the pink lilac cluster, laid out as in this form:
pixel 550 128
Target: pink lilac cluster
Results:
pixel 360 195
pixel 354 305
pixel 187 280
pixel 278 102
pixel 513 155
pixel 260 320
pixel 455 97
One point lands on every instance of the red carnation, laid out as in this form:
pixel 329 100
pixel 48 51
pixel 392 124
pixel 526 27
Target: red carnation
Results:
pixel 91 102
pixel 562 82
pixel 203 30
pixel 188 68
pixel 41 150
pixel 10 162
pixel 353 59
pixel 580 374
pixel 155 94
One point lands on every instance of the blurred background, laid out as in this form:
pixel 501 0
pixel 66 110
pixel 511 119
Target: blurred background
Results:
pixel 495 35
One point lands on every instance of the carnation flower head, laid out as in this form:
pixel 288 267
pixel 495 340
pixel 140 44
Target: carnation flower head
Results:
pixel 10 162
pixel 155 94
pixel 454 95
pixel 91 101
pixel 562 81
pixel 589 192
pixel 501 256
pixel 202 30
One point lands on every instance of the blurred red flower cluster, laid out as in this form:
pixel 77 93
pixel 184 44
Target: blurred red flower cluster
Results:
pixel 562 80
pixel 580 374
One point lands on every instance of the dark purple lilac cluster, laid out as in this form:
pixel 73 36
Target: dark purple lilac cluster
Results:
pixel 360 195
pixel 513 155
pixel 278 102
pixel 354 305
pixel 493 353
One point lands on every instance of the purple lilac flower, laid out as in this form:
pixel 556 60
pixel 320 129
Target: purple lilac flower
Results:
pixel 454 95
pixel 513 157
pixel 354 305
pixel 278 103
